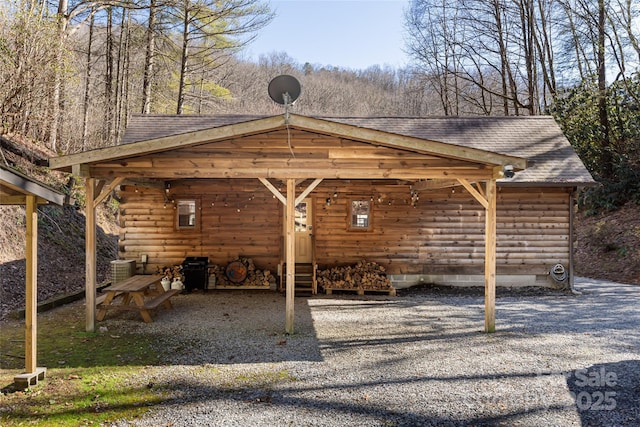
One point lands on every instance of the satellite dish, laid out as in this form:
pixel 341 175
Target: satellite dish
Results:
pixel 284 89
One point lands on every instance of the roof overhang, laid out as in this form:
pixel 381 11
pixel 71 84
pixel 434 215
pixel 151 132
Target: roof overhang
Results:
pixel 15 187
pixel 81 163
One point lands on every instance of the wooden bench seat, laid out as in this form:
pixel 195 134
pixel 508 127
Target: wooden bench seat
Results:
pixel 100 298
pixel 162 298
pixel 127 307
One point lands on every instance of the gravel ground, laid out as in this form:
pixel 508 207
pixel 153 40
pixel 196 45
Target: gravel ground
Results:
pixel 418 359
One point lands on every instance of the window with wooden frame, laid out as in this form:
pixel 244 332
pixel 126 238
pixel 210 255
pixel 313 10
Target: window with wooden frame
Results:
pixel 187 214
pixel 359 215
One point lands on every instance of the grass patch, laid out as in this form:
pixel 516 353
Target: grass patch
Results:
pixel 92 378
pixel 99 378
pixel 88 396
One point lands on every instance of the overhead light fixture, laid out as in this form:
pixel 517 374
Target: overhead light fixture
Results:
pixel 508 171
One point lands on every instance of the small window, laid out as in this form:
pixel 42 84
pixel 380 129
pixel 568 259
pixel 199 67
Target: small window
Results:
pixel 301 217
pixel 360 215
pixel 186 214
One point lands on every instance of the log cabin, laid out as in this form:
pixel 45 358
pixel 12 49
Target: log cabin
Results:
pixel 455 200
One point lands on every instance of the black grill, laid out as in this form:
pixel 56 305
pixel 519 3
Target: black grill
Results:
pixel 196 272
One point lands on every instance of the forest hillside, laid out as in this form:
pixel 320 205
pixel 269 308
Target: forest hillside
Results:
pixel 73 73
pixel 61 231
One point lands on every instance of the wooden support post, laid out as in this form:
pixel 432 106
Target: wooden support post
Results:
pixel 490 258
pixel 290 245
pixel 572 219
pixel 90 255
pixel 31 282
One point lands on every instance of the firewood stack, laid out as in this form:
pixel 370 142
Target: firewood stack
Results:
pixel 364 275
pixel 256 278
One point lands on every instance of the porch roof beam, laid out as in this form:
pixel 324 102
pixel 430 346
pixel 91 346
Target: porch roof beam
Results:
pixel 471 174
pixel 104 192
pixel 474 192
pixel 19 200
pixel 168 142
pixel 308 190
pixel 273 190
pixel 282 198
pixel 434 184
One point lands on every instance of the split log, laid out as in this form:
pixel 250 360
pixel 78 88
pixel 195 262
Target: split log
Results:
pixel 255 277
pixel 364 275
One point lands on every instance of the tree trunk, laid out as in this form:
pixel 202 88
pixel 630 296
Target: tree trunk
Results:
pixel 123 81
pixel 149 60
pixel 126 85
pixel 545 55
pixel 108 85
pixel 527 22
pixel 183 60
pixel 504 60
pixel 87 87
pixel 602 90
pixel 120 65
pixel 56 113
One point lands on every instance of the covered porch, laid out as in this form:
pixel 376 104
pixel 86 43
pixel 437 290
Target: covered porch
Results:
pixel 290 156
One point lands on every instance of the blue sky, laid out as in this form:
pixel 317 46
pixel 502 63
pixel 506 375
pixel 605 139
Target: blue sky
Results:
pixel 351 34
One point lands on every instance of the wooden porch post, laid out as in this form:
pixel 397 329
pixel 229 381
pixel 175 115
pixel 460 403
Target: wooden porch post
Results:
pixel 90 255
pixel 31 282
pixel 291 256
pixel 490 258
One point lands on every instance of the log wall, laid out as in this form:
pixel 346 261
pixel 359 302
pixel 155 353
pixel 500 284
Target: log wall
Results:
pixel 443 233
pixel 237 217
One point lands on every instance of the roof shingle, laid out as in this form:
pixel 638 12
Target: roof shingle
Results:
pixel 539 139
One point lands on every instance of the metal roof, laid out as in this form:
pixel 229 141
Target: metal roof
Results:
pixel 15 186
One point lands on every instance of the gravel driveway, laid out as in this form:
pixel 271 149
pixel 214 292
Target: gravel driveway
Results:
pixel 417 359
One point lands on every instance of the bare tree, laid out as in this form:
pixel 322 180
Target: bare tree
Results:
pixel 211 31
pixel 433 27
pixel 87 87
pixel 150 59
pixel 29 60
pixel 57 85
pixel 513 43
pixel 545 50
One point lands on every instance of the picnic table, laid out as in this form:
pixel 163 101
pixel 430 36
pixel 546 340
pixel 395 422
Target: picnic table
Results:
pixel 138 293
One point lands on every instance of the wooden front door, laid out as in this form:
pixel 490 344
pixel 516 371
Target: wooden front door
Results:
pixel 304 231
